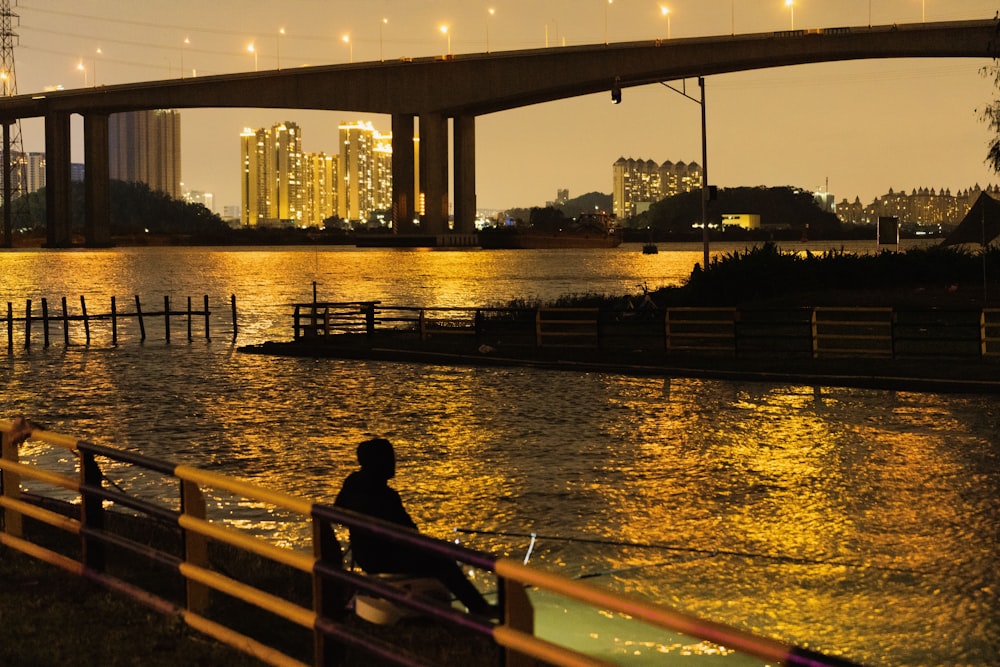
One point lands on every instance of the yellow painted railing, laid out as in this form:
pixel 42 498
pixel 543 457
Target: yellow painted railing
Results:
pixel 324 615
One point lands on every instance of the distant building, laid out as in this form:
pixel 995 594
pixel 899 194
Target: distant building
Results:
pixel 636 184
pixel 272 177
pixel 921 207
pixel 145 147
pixel 35 171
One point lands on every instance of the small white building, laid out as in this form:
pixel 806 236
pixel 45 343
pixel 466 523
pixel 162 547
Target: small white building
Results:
pixel 744 220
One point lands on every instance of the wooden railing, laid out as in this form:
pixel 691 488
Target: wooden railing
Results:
pixel 724 331
pixel 177 504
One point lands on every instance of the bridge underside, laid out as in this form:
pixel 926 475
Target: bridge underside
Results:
pixel 433 91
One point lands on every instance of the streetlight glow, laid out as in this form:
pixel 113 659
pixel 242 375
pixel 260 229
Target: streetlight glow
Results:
pixel 665 12
pixel 491 12
pixel 383 22
pixel 350 47
pixel 791 8
pixel 447 33
pixel 606 20
pixel 281 31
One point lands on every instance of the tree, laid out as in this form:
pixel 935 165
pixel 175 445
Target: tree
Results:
pixel 991 116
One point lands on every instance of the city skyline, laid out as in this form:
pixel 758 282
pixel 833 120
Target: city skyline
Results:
pixel 865 127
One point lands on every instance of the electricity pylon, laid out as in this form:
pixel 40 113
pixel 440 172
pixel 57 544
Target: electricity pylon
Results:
pixel 13 176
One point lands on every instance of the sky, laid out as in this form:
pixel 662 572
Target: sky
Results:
pixel 857 128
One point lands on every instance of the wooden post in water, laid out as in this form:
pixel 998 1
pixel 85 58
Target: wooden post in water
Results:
pixel 86 320
pixel 45 322
pixel 189 319
pixel 142 325
pixel 27 325
pixel 232 301
pixel 65 319
pixel 10 328
pixel 114 322
pixel 166 316
pixel 208 335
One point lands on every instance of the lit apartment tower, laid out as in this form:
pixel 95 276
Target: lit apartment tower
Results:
pixel 272 179
pixel 382 185
pixel 145 147
pixel 285 173
pixel 642 181
pixel 35 173
pixel 321 188
pixel 355 197
pixel 253 179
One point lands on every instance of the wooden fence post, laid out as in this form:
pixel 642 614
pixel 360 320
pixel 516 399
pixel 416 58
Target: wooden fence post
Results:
pixel 12 520
pixel 45 322
pixel 91 512
pixel 370 319
pixel 86 320
pixel 166 316
pixel 65 320
pixel 114 323
pixel 296 331
pixel 10 328
pixel 208 335
pixel 189 319
pixel 138 313
pixel 27 325
pixel 195 546
pixel 232 301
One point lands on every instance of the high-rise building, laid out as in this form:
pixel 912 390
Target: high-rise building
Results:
pixel 321 188
pixel 272 179
pixel 145 147
pixel 35 173
pixel 636 182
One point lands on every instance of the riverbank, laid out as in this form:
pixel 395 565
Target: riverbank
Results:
pixel 924 375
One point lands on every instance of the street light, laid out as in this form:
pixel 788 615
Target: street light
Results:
pixel 350 47
pixel 791 8
pixel 447 33
pixel 251 49
pixel 491 12
pixel 665 11
pixel 380 25
pixel 186 43
pixel 98 53
pixel 606 20
pixel 80 67
pixel 281 31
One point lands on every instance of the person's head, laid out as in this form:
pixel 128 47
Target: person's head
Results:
pixel 377 457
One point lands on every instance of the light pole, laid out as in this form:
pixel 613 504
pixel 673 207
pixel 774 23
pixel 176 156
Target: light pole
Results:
pixel 81 68
pixel 665 12
pixel 705 190
pixel 251 49
pixel 380 26
pixel 791 8
pixel 97 53
pixel 606 20
pixel 183 45
pixel 350 47
pixel 490 13
pixel 277 41
pixel 447 33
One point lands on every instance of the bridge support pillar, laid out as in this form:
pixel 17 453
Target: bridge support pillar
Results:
pixel 404 190
pixel 434 172
pixel 97 181
pixel 58 193
pixel 465 174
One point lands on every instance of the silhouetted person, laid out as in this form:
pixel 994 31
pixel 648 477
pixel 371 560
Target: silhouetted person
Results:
pixel 367 491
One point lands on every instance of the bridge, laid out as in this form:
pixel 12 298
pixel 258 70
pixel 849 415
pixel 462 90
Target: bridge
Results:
pixel 423 94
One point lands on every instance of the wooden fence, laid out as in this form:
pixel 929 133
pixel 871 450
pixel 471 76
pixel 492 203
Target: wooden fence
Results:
pixel 728 331
pixel 63 320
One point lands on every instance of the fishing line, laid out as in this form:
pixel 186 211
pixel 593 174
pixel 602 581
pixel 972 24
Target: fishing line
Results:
pixel 796 560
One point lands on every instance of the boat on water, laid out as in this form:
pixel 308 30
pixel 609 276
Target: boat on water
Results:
pixel 650 249
pixel 589 230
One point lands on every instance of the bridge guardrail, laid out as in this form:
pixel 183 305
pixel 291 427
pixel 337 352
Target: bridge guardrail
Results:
pixel 320 612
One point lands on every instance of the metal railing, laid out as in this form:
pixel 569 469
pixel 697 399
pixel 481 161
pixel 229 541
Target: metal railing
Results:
pixel 322 612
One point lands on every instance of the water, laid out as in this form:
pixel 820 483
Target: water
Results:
pixel 853 521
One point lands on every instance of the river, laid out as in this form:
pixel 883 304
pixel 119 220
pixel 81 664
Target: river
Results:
pixel 853 521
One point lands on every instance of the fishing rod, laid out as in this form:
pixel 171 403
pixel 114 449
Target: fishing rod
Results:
pixel 797 560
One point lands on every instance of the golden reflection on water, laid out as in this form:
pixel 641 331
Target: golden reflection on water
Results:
pixel 858 521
